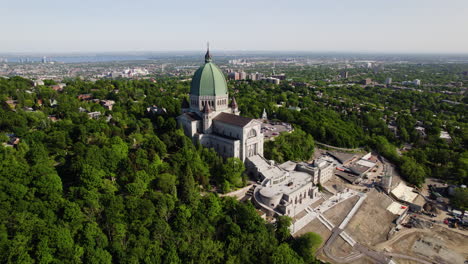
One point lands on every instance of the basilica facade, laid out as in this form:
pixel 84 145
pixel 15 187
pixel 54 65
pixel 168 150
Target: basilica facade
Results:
pixel 213 119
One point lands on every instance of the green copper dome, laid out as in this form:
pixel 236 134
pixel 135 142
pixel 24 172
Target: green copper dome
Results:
pixel 208 80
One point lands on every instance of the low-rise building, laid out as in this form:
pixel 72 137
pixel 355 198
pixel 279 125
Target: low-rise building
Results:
pixel 38 82
pixel 367 81
pixel 11 103
pixel 156 110
pixel 281 191
pixel 421 131
pixel 271 80
pixel 445 135
pixel 85 96
pixel 108 104
pixel 94 115
pixel 321 170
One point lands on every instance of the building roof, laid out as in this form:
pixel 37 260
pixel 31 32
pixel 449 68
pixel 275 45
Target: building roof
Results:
pixel 191 116
pixel 366 163
pixel 288 165
pixel 293 181
pixel 342 156
pixel 396 208
pixel 208 80
pixel 232 119
pixel 358 169
pixel 269 171
pixel 347 176
pixel 207 109
pixel 404 193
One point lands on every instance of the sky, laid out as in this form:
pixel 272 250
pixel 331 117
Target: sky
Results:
pixel 389 26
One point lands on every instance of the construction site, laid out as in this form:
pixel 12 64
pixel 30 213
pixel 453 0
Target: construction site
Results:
pixel 378 218
pixel 370 215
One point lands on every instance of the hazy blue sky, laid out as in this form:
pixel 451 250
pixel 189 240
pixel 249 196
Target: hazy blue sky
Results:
pixel 305 25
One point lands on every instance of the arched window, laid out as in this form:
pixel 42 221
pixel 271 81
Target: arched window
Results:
pixel 252 133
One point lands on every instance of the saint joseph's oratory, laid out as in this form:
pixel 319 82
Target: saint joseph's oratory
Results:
pixel 212 118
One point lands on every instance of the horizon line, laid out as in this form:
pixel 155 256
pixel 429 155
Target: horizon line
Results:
pixel 42 53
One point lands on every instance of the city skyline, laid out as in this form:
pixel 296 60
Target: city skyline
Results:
pixel 301 26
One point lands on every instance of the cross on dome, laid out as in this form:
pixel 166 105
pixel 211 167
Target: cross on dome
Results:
pixel 207 55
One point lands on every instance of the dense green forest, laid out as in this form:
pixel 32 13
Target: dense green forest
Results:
pixel 296 145
pixel 126 187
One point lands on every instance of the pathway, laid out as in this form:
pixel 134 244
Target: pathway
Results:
pixel 338 148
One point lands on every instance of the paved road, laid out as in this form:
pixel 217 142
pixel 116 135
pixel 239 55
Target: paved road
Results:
pixel 238 194
pixel 379 257
pixel 399 235
pixel 396 255
pixel 326 248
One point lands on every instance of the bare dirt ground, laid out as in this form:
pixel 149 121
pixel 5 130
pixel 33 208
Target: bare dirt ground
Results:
pixel 339 212
pixel 438 244
pixel 317 227
pixel 372 222
pixel 365 260
pixel 340 248
pixel 317 203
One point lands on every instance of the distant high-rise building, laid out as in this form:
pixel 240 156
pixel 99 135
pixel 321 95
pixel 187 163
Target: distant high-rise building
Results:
pixel 258 76
pixel 242 75
pixel 344 74
pixel 417 82
pixel 233 76
pixel 44 59
pixel 388 81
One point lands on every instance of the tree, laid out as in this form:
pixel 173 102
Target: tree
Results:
pixel 186 188
pixel 282 228
pixel 306 245
pixel 460 199
pixel 297 146
pixel 232 171
pixel 285 255
pixel 166 182
pixel 413 172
